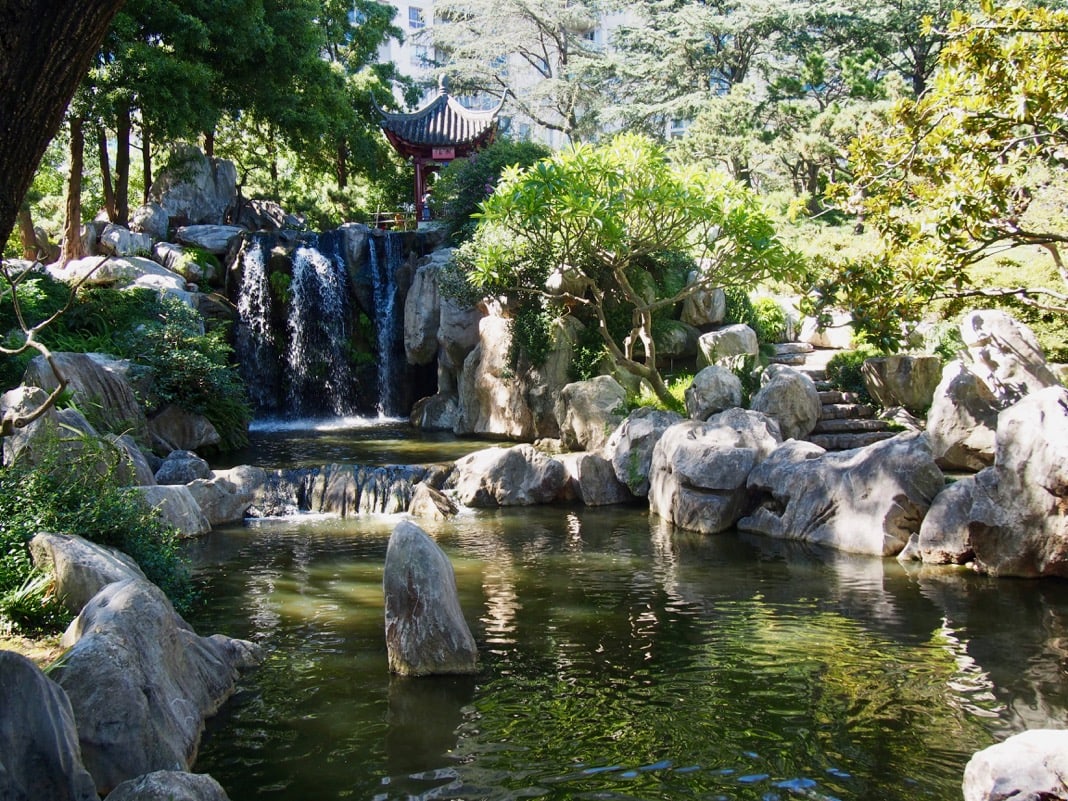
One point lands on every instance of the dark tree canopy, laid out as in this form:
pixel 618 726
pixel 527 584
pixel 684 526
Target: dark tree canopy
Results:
pixel 45 50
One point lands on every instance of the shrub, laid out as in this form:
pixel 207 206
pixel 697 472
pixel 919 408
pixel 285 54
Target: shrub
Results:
pixel 465 183
pixel 677 386
pixel 769 320
pixel 73 490
pixel 844 371
pixel 739 308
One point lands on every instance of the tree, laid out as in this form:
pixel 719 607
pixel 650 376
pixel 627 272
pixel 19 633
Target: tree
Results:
pixel 604 218
pixel 45 50
pixel 964 172
pixel 540 52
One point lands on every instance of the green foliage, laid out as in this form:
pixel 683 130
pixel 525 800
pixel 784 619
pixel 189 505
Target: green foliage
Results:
pixel 769 318
pixel 281 287
pixel 749 371
pixel 963 172
pixel 531 335
pixel 463 185
pixel 844 371
pixel 588 355
pixel 32 607
pixel 604 218
pixel 677 387
pixel 739 307
pixel 74 490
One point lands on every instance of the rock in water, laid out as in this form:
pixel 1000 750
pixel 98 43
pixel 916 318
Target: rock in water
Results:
pixel 40 759
pixel 1032 766
pixel 172 785
pixel 426 633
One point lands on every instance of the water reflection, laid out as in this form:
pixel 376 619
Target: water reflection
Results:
pixel 623 659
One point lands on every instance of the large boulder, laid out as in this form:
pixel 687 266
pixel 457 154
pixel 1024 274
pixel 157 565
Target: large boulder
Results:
pixel 1010 519
pixel 458 332
pixel 40 758
pixel 181 467
pixel 838 334
pixel 141 682
pixel 171 785
pixel 789 397
pixel 119 241
pixel 176 429
pixel 516 476
pixel 80 568
pixel 491 398
pixel 591 480
pixel 94 383
pixel 728 346
pixel 431 504
pixel 703 307
pixel 698 471
pixel 589 411
pixel 426 633
pixel 151 219
pixel 422 315
pixel 194 188
pixel 630 448
pixel 134 469
pixel 903 380
pixel 177 507
pixel 1002 364
pixel 135 272
pixel 216 239
pixel 713 390
pixel 1030 766
pixel 25 441
pixel 867 500
pixel 440 412
pixel 220 500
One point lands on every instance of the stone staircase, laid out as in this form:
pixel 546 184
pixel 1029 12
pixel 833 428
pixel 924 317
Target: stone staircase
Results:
pixel 846 422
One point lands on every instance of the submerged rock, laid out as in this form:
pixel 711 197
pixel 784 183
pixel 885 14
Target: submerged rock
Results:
pixel 426 633
pixel 171 785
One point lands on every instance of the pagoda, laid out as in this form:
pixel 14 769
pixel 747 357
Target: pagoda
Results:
pixel 436 134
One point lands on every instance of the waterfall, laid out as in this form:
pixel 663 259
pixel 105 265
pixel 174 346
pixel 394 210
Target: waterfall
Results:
pixel 317 360
pixel 385 256
pixel 255 344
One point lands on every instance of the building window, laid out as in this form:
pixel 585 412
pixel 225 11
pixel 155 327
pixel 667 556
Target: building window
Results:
pixel 677 128
pixel 420 56
pixel 415 18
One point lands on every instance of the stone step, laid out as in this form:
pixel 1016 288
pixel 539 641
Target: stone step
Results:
pixel 845 442
pixel 849 426
pixel 792 348
pixel 847 411
pixel 837 396
pixel 817 374
pixel 791 359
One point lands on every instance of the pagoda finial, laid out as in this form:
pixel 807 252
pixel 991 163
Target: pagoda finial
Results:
pixel 443 84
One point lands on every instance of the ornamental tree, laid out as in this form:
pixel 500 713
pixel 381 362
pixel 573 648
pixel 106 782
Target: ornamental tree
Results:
pixel 973 168
pixel 600 220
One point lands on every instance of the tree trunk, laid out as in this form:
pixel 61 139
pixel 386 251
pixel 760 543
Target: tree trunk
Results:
pixel 27 236
pixel 72 228
pixel 45 50
pixel 105 172
pixel 123 124
pixel 146 159
pixel 209 143
pixel 342 166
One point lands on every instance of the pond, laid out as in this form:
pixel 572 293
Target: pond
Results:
pixel 621 659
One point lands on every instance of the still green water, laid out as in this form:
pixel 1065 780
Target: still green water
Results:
pixel 621 659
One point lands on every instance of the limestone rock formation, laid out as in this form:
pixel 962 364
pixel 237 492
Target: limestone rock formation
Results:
pixel 903 380
pixel 728 345
pixel 866 500
pixel 426 632
pixel 171 785
pixel 141 682
pixel 177 507
pixel 135 471
pixel 589 411
pixel 703 307
pixel 151 219
pixel 591 479
pixel 176 429
pixel 119 241
pixel 1006 355
pixel 181 467
pixel 516 476
pixel 714 389
pixel 789 397
pixel 1010 519
pixel 431 504
pixel 196 189
pixel 81 568
pixel 698 472
pixel 40 759
pixel 630 447
pixel 1030 766
pixel 217 239
pixel 422 315
pixel 440 412
pixel 220 500
pixel 123 271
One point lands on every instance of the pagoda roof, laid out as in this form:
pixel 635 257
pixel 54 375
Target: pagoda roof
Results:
pixel 443 122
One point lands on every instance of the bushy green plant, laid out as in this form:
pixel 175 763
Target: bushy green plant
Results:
pixel 769 320
pixel 74 490
pixel 844 371
pixel 465 183
pixel 749 370
pixel 739 308
pixel 531 335
pixel 677 386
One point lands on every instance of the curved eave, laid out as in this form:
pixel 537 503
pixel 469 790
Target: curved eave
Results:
pixel 441 123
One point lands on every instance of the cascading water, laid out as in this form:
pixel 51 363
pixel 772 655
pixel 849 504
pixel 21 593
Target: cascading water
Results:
pixel 319 377
pixel 255 343
pixel 385 256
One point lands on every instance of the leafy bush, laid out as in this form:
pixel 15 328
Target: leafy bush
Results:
pixel 844 373
pixel 465 183
pixel 769 320
pixel 75 491
pixel 739 308
pixel 677 386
